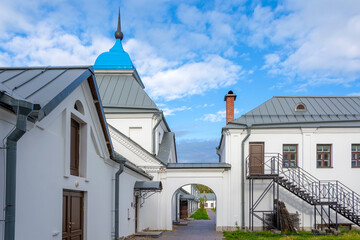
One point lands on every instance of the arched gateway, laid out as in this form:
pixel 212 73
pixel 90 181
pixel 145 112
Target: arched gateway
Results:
pixel 208 174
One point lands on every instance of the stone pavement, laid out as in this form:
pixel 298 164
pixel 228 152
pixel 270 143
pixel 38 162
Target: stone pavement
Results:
pixel 195 230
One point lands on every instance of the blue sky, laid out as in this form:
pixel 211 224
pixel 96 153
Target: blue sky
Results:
pixel 189 54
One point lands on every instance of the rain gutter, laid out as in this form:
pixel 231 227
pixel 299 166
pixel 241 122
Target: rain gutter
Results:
pixel 121 161
pixel 22 110
pixel 248 129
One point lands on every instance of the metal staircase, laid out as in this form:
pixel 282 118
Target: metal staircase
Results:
pixel 321 194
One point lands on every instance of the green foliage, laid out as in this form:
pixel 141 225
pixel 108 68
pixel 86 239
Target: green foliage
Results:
pixel 353 234
pixel 203 188
pixel 202 200
pixel 200 214
pixel 214 210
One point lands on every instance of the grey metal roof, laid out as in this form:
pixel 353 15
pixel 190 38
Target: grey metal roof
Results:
pixel 49 86
pixel 165 146
pixel 123 93
pixel 280 110
pixel 197 165
pixel 187 197
pixel 46 86
pixel 136 169
pixel 153 185
pixel 209 196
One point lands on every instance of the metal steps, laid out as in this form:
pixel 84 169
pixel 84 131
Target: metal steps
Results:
pixel 296 180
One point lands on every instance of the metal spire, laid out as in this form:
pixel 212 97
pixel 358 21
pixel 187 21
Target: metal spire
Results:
pixel 118 33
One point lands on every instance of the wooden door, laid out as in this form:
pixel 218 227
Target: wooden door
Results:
pixel 256 158
pixel 136 212
pixel 183 209
pixel 73 215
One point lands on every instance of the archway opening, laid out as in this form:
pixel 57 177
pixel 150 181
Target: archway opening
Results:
pixel 194 202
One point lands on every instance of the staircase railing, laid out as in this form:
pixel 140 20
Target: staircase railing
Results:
pixel 341 198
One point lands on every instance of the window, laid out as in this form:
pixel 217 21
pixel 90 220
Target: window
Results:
pixel 75 148
pixel 323 155
pixel 300 107
pixel 290 155
pixel 355 155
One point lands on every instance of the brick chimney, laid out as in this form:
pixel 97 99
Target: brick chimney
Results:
pixel 230 99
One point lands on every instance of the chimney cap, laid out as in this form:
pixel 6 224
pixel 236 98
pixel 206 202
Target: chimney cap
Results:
pixel 230 94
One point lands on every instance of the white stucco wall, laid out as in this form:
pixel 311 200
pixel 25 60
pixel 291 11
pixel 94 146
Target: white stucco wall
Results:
pixel 123 123
pixel 43 172
pixel 306 139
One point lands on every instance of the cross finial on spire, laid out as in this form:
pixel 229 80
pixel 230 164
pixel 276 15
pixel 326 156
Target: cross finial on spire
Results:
pixel 118 33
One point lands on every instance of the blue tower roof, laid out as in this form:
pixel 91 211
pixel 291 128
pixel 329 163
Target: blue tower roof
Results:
pixel 115 59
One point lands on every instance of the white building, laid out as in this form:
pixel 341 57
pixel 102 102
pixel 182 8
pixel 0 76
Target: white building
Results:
pixel 299 144
pixel 210 200
pixel 58 163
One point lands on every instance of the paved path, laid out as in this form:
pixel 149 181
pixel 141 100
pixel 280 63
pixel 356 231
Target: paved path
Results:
pixel 195 230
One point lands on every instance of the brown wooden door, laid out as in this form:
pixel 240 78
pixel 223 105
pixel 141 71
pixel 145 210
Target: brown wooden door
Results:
pixel 256 158
pixel 73 218
pixel 183 209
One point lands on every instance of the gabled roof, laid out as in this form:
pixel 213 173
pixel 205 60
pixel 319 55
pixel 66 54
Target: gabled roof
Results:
pixel 280 111
pixel 49 86
pixel 123 93
pixel 209 196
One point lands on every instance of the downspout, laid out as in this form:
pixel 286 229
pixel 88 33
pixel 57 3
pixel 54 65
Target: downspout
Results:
pixel 121 161
pixel 22 109
pixel 154 130
pixel 243 177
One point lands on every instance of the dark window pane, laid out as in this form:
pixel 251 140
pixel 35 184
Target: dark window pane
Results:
pixel 319 163
pixel 326 163
pixel 354 155
pixel 353 163
pixel 293 156
pixel 353 148
pixel 326 148
pixel 286 157
pixel 293 164
pixel 327 156
pixel 293 148
pixel 319 148
pixel 319 156
pixel 286 148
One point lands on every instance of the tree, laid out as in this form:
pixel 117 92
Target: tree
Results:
pixel 203 200
pixel 203 189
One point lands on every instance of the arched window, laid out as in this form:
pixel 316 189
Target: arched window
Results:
pixel 79 107
pixel 300 107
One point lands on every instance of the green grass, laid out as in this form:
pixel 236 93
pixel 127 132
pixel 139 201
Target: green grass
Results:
pixel 200 214
pixel 353 234
pixel 214 210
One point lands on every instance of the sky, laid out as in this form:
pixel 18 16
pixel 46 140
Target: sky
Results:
pixel 189 54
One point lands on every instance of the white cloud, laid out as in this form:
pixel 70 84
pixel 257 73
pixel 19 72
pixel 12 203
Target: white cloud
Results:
pixel 214 117
pixel 319 40
pixel 219 116
pixel 171 111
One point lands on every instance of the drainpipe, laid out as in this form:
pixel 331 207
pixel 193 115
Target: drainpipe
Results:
pixel 22 109
pixel 154 131
pixel 243 177
pixel 121 161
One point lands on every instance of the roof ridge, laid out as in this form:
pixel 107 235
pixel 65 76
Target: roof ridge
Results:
pixel 316 96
